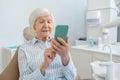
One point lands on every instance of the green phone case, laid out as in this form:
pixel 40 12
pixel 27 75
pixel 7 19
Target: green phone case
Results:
pixel 61 31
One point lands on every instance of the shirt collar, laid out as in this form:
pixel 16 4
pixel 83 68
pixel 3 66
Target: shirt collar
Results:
pixel 35 40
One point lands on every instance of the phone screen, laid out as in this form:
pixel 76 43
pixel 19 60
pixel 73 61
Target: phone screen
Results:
pixel 61 31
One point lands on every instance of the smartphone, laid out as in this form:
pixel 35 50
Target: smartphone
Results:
pixel 61 31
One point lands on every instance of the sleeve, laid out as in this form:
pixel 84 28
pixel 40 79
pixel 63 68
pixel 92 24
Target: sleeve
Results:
pixel 70 71
pixel 26 73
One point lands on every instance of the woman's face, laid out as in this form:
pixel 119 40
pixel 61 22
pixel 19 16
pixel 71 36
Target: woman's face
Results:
pixel 44 26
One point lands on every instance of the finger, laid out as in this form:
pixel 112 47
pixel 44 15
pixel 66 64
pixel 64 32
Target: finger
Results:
pixel 67 40
pixel 56 49
pixel 61 41
pixel 53 55
pixel 47 53
pixel 54 42
pixel 53 49
pixel 50 55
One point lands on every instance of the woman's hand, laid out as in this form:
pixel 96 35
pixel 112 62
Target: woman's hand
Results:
pixel 62 49
pixel 49 56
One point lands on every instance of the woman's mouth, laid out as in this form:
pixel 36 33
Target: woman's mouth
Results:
pixel 44 30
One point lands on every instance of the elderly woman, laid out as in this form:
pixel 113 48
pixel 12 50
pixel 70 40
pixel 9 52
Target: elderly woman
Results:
pixel 43 58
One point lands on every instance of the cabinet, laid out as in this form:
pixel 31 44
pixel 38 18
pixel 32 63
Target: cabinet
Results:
pixel 82 62
pixel 83 56
pixel 101 12
pixel 104 57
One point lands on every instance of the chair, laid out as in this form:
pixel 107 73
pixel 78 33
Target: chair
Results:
pixel 11 72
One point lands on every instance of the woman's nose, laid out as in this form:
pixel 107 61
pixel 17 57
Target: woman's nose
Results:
pixel 46 24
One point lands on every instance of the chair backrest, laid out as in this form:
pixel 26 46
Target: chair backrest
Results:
pixel 11 72
pixel 29 33
pixel 5 57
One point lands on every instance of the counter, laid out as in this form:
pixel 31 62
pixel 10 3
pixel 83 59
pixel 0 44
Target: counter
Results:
pixel 84 55
pixel 115 49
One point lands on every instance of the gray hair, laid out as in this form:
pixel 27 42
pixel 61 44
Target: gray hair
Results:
pixel 37 13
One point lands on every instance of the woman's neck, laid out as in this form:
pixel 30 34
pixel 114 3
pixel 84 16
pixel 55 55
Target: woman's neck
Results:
pixel 43 38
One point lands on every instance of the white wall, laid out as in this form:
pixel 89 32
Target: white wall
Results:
pixel 14 17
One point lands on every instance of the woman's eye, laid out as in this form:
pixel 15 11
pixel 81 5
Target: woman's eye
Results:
pixel 41 22
pixel 49 21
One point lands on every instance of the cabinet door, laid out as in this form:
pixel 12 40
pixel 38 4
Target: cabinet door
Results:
pixel 116 59
pixel 82 60
pixel 100 57
pixel 105 57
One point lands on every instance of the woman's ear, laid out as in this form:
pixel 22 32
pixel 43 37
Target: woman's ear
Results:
pixel 34 25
